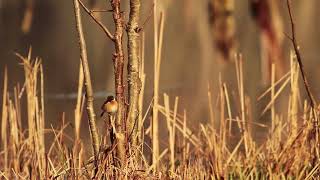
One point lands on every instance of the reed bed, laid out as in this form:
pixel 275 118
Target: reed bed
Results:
pixel 223 147
pixel 289 150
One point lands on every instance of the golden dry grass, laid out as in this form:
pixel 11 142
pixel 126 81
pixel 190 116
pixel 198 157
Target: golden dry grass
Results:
pixel 290 150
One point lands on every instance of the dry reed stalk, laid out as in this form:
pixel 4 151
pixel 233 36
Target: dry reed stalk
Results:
pixel 184 153
pixel 186 133
pixel 41 126
pixel 206 135
pixel 249 123
pixel 87 78
pixel 30 72
pixel 35 110
pixel 134 82
pixel 226 94
pixel 79 104
pixel 4 122
pixel 158 37
pixel 305 111
pixel 273 78
pixel 222 127
pixel 77 148
pixel 210 106
pixel 242 126
pixel 173 140
pixel 17 102
pixel 170 127
pixel 213 138
pixel 284 77
pixel 153 166
pixel 294 96
pixel 276 95
pixel 142 77
pixel 279 130
pixel 15 128
pixel 273 122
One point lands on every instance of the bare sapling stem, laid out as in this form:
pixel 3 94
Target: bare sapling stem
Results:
pixel 134 82
pixel 118 60
pixel 87 78
pixel 293 39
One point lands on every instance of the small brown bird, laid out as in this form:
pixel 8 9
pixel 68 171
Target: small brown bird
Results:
pixel 110 106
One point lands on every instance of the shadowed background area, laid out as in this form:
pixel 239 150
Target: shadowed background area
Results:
pixel 189 60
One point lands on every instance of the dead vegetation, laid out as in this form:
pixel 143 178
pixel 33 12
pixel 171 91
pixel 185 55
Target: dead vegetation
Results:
pixel 222 148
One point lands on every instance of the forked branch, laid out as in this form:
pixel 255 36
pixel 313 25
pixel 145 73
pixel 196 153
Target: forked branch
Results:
pixel 102 26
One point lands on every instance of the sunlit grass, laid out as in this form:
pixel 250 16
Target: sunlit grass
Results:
pixel 290 150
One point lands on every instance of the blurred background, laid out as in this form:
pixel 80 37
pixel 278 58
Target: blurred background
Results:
pixel 200 40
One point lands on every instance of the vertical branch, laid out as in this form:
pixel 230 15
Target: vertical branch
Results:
pixel 118 59
pixel 87 78
pixel 299 59
pixel 134 81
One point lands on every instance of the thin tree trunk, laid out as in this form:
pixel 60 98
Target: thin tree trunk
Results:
pixel 88 85
pixel 118 59
pixel 134 81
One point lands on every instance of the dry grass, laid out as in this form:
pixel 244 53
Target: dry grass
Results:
pixel 289 151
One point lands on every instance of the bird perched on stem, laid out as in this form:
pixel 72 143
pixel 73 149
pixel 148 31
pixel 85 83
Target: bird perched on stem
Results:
pixel 110 106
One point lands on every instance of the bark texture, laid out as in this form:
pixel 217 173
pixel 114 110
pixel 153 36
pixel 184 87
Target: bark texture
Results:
pixel 118 59
pixel 134 81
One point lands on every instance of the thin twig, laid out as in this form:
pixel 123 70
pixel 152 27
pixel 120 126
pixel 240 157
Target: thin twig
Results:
pixel 298 55
pixel 147 19
pixel 101 10
pixel 91 14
